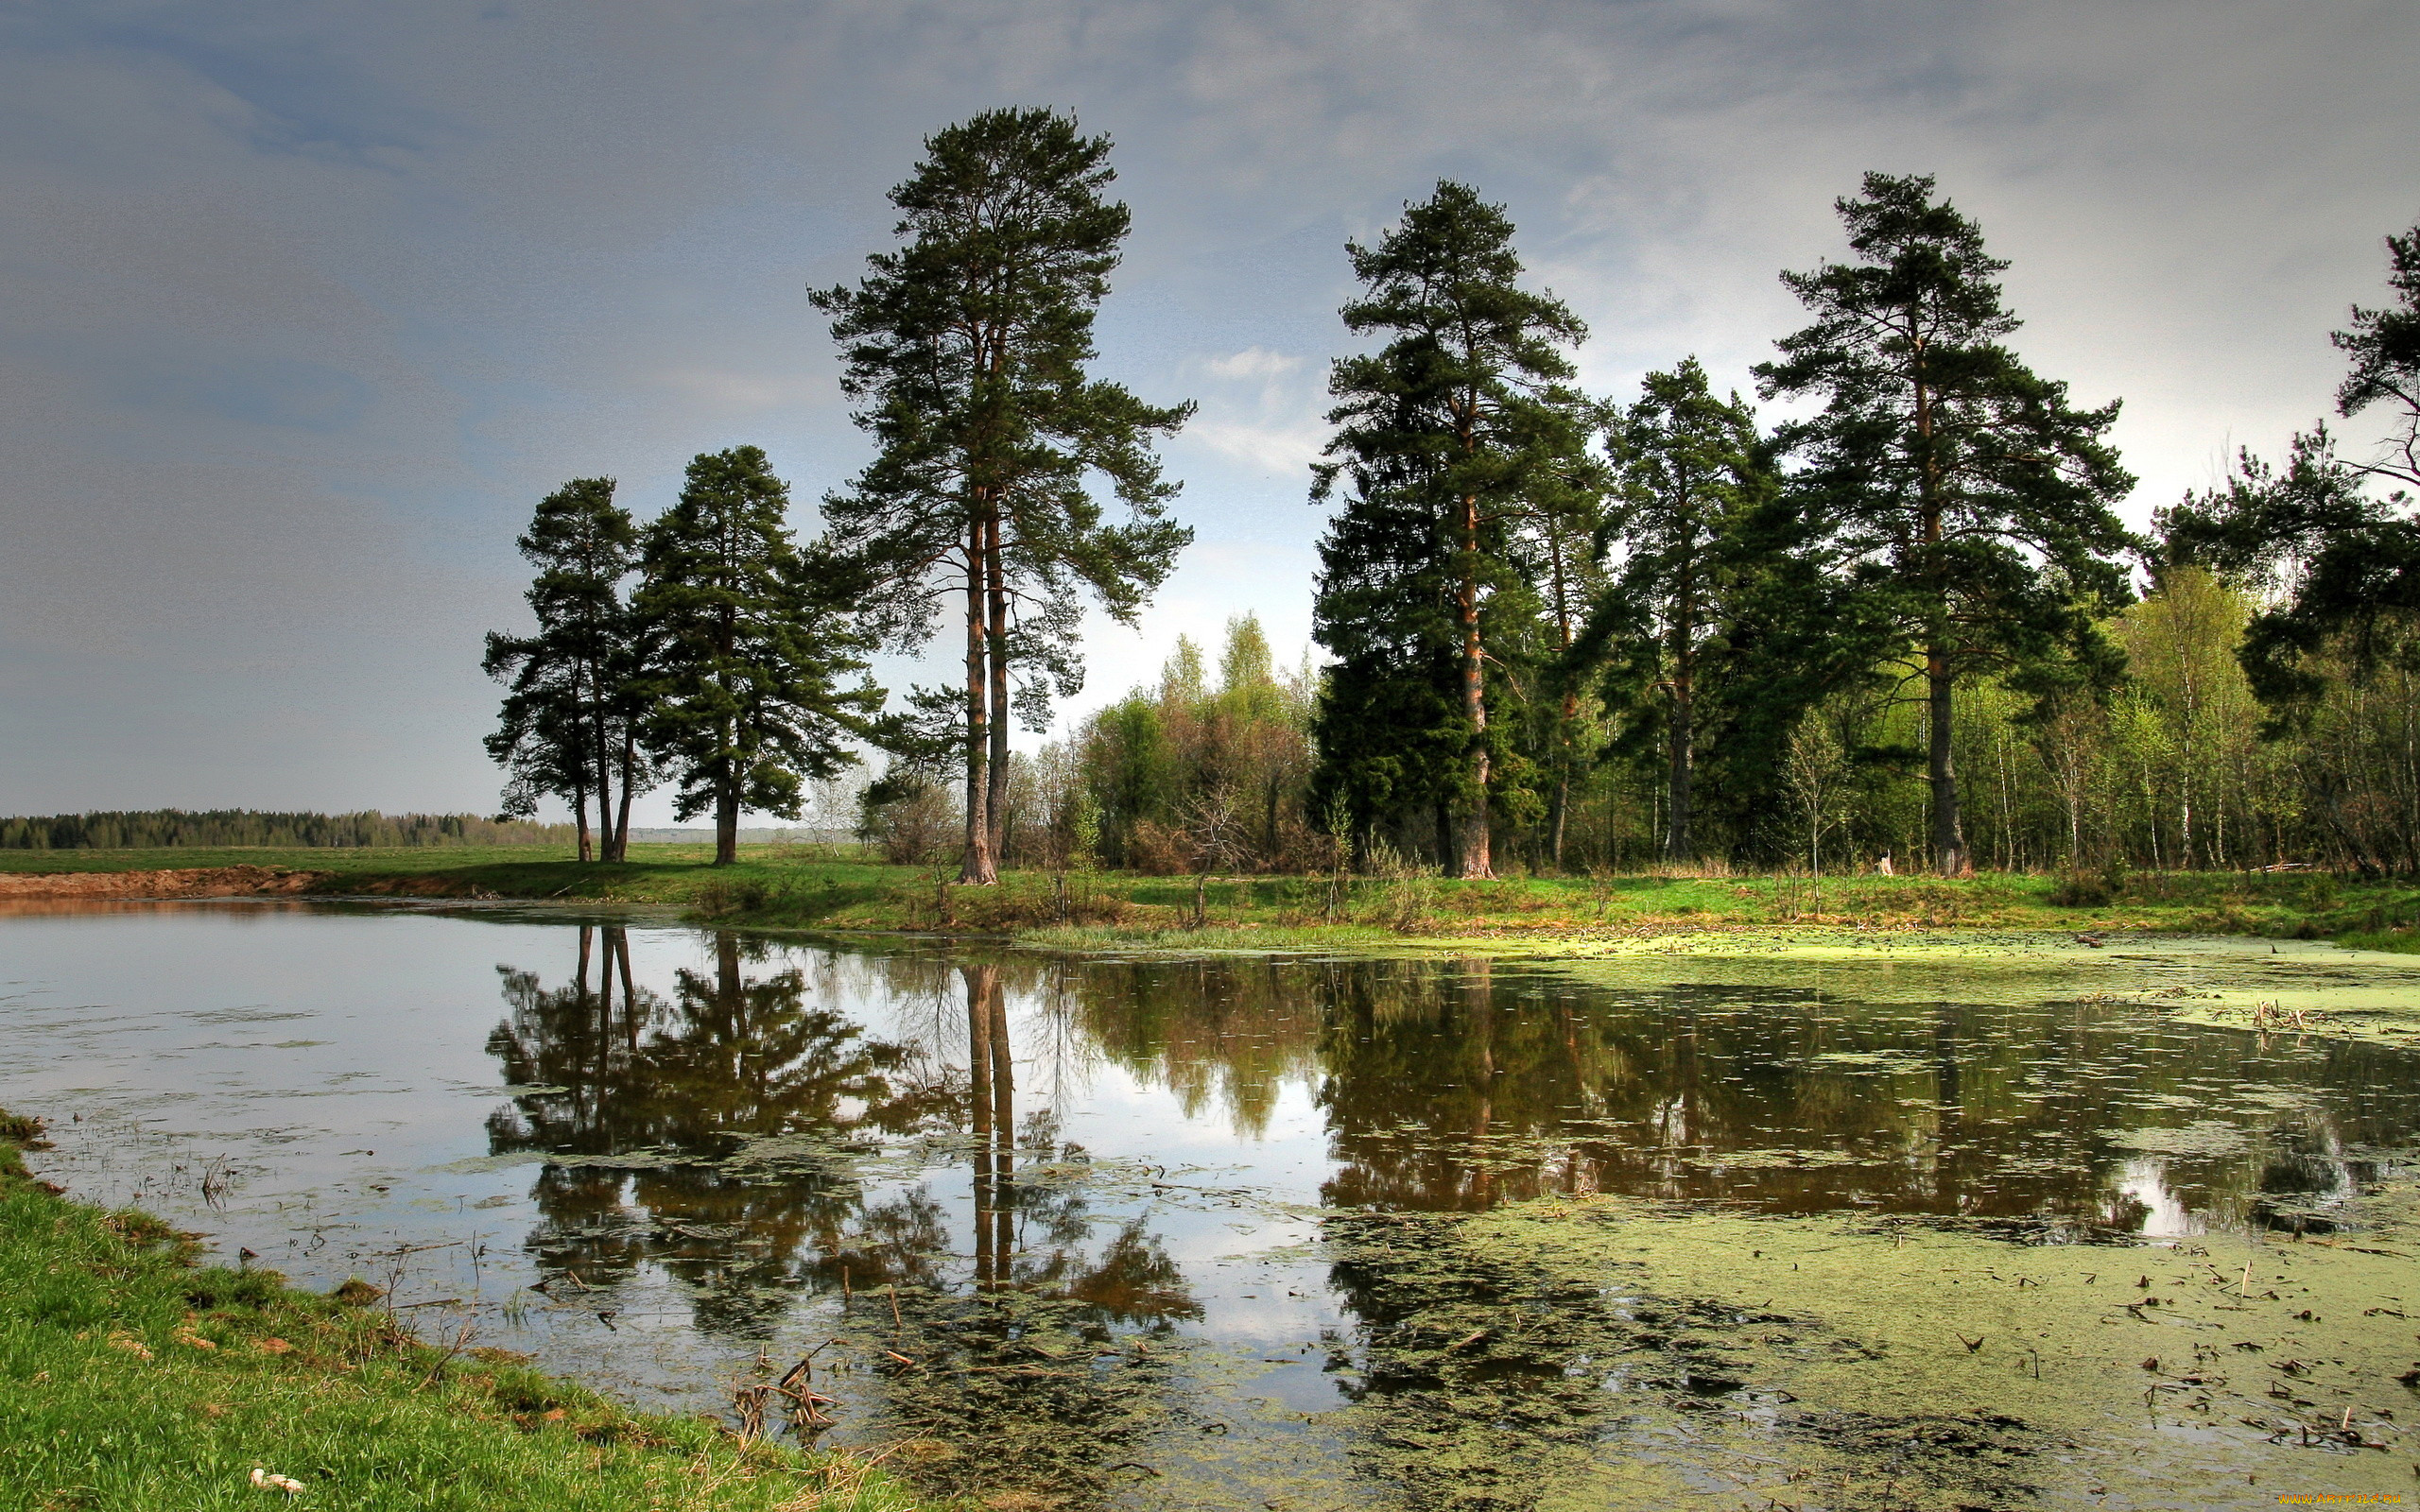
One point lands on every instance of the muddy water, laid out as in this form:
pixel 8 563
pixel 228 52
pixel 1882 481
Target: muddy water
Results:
pixel 1301 1232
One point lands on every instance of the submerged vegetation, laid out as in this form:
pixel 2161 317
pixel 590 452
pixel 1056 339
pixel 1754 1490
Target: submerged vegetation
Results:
pixel 136 1378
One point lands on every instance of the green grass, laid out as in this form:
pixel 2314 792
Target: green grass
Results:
pixel 814 887
pixel 132 1379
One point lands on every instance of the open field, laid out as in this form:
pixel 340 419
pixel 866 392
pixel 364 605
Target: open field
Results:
pixel 134 1380
pixel 821 887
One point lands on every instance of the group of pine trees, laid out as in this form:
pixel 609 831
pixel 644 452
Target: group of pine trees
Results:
pixel 1564 631
pixel 1903 620
pixel 966 349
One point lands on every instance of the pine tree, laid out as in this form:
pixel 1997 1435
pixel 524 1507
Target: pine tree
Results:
pixel 1968 502
pixel 750 645
pixel 1449 435
pixel 2384 344
pixel 569 721
pixel 1691 469
pixel 967 348
pixel 2341 564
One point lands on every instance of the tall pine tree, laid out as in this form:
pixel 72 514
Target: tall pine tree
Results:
pixel 1449 437
pixel 750 645
pixel 1691 468
pixel 967 348
pixel 1967 500
pixel 570 722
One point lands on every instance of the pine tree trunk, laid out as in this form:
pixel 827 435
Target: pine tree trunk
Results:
pixel 1471 858
pixel 1558 806
pixel 1678 844
pixel 726 815
pixel 622 819
pixel 580 815
pixel 996 801
pixel 975 867
pixel 1949 834
pixel 1558 802
pixel 604 784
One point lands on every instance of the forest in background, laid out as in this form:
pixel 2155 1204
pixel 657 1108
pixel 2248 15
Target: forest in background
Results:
pixel 152 828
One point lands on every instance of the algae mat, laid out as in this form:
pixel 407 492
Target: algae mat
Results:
pixel 2259 985
pixel 1605 1353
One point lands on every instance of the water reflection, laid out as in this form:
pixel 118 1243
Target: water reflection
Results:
pixel 1018 1293
pixel 614 1070
pixel 1034 1335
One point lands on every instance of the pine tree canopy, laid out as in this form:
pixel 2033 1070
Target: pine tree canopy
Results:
pixel 1970 505
pixel 1690 468
pixel 570 705
pixel 750 648
pixel 2384 345
pixel 1460 441
pixel 966 350
pixel 2339 565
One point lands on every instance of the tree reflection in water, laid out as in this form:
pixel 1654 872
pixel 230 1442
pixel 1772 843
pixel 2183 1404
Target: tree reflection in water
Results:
pixel 726 1055
pixel 1039 1357
pixel 1447 1088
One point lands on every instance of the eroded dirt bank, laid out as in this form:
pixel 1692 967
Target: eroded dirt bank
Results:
pixel 196 882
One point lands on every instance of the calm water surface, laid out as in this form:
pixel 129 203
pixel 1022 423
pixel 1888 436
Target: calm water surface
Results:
pixel 1083 1196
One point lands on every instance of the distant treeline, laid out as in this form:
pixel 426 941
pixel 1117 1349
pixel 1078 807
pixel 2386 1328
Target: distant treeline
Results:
pixel 157 828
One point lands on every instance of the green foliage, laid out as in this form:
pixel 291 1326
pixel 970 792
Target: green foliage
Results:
pixel 1691 469
pixel 1962 499
pixel 572 715
pixel 753 642
pixel 1462 446
pixel 1144 766
pixel 967 352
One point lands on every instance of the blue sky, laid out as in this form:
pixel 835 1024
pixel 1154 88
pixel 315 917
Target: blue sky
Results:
pixel 308 304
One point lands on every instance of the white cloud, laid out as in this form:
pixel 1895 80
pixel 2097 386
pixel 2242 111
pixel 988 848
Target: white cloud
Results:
pixel 1253 362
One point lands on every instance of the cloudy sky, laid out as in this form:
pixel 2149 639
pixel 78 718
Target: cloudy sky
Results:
pixel 307 303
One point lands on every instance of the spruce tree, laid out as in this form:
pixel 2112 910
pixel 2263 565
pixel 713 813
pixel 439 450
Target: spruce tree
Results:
pixel 750 644
pixel 1968 502
pixel 1691 469
pixel 967 348
pixel 1449 436
pixel 570 722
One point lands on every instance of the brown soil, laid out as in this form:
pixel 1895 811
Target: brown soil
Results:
pixel 197 882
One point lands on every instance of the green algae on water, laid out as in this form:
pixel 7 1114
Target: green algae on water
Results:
pixel 1604 1351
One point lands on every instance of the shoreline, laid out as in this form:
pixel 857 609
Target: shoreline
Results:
pixel 141 1380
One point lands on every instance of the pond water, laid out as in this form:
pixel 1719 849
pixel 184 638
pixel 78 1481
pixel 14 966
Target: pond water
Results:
pixel 1284 1232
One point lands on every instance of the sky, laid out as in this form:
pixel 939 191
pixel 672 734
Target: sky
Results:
pixel 303 306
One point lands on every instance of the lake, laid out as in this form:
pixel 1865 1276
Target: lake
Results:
pixel 1880 1228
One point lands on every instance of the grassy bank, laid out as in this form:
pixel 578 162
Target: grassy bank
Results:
pixel 818 888
pixel 133 1379
pixel 813 887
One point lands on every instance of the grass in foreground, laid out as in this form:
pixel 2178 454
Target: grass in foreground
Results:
pixel 132 1379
